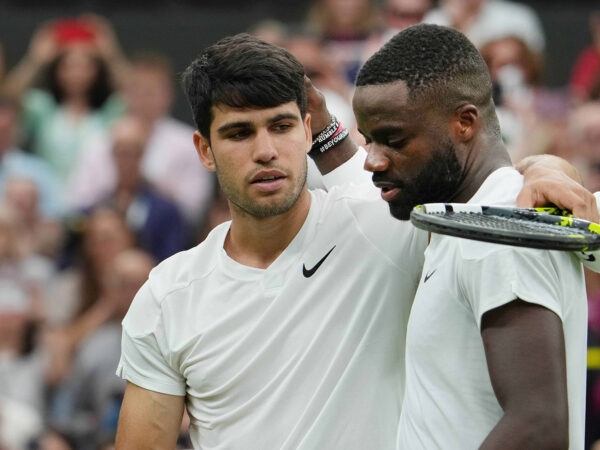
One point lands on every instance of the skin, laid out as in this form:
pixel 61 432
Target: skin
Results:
pixel 418 154
pixel 149 420
pixel 524 343
pixel 246 148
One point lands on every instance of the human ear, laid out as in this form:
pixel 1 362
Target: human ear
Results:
pixel 204 152
pixel 466 122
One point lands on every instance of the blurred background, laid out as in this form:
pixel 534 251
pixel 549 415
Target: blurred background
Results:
pixel 182 27
pixel 99 180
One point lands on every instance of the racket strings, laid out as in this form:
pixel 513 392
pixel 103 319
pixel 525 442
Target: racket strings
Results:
pixel 510 224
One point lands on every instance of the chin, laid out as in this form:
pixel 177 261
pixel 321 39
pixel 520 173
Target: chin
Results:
pixel 400 212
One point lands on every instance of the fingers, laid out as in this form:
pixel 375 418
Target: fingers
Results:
pixel 566 194
pixel 317 107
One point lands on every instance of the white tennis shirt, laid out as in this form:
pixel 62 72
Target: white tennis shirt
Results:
pixel 449 400
pixel 306 354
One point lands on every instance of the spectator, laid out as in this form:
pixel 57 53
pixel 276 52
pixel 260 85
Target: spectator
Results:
pixel 37 234
pixel 345 27
pixel 397 15
pixel 155 220
pixel 83 64
pixel 76 309
pixel 15 162
pixel 525 106
pixel 92 392
pixel 309 50
pixel 21 360
pixel 583 141
pixel 584 83
pixel 272 31
pixel 583 134
pixel 53 438
pixel 19 426
pixel 486 20
pixel 149 94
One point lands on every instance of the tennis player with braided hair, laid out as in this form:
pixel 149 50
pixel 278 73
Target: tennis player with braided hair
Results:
pixel 496 340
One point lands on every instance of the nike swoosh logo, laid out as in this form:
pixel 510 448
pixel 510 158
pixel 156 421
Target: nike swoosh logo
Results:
pixel 428 275
pixel 310 272
pixel 588 257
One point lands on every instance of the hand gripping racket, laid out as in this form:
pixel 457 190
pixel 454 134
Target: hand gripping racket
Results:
pixel 543 228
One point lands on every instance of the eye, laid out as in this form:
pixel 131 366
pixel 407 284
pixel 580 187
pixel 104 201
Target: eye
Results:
pixel 238 135
pixel 396 144
pixel 282 127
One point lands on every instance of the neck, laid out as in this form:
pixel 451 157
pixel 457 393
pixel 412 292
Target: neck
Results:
pixel 77 106
pixel 257 242
pixel 478 166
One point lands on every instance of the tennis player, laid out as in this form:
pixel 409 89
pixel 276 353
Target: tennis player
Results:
pixel 285 328
pixel 496 340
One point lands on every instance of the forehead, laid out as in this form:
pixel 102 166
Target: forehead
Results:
pixel 226 115
pixel 383 103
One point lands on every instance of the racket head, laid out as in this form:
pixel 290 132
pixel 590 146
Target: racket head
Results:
pixel 542 228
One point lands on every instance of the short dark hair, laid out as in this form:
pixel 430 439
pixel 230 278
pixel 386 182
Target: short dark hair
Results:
pixel 437 63
pixel 242 71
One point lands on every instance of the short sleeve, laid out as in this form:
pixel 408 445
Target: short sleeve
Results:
pixel 143 348
pixel 502 274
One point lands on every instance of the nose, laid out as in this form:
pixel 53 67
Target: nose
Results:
pixel 376 160
pixel 264 149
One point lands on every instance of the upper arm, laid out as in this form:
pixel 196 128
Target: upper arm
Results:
pixel 525 353
pixel 149 420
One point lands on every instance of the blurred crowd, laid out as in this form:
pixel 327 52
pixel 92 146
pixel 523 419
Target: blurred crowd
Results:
pixel 99 182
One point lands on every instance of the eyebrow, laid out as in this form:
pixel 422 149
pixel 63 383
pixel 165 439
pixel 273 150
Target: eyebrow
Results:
pixel 245 124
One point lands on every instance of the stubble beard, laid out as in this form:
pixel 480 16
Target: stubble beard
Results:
pixel 265 207
pixel 438 181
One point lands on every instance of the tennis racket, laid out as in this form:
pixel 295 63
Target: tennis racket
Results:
pixel 543 228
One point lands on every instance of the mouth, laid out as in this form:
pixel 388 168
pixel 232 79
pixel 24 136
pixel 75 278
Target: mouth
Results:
pixel 388 190
pixel 268 182
pixel 388 194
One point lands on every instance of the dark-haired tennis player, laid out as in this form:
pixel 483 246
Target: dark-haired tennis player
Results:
pixel 496 340
pixel 285 328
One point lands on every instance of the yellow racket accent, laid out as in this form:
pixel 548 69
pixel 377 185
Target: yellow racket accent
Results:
pixel 593 358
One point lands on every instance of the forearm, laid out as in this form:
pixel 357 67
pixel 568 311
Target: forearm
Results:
pixel 332 159
pixel 22 76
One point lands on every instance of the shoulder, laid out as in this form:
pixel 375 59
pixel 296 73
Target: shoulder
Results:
pixel 180 270
pixel 357 212
pixel 499 188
